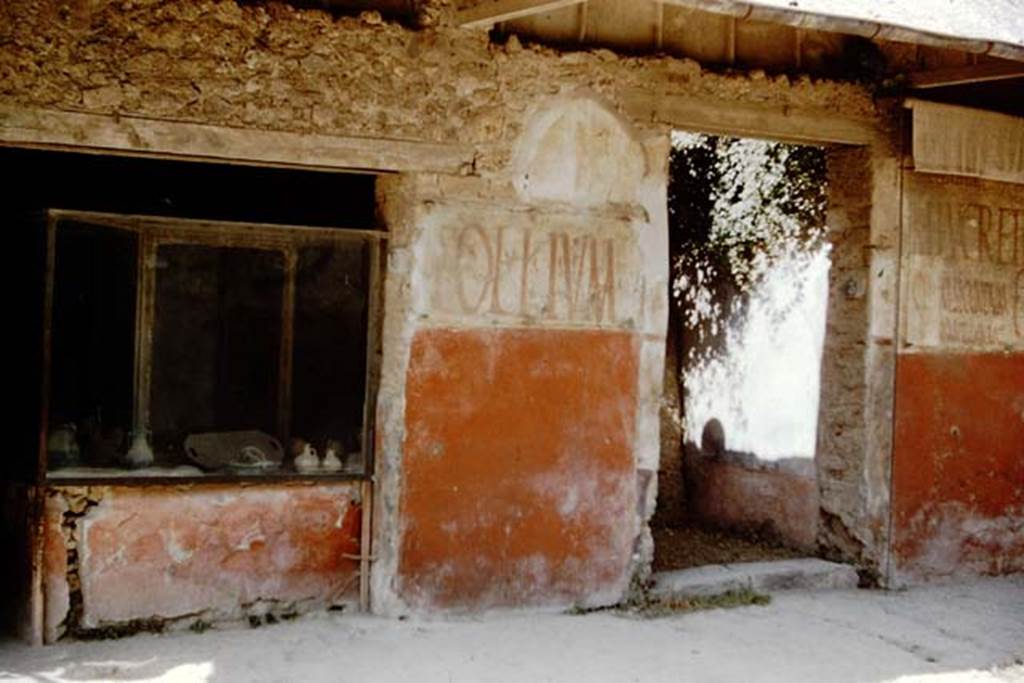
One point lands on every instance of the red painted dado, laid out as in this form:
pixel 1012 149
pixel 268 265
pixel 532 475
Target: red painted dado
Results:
pixel 958 465
pixel 55 568
pixel 168 552
pixel 732 494
pixel 519 483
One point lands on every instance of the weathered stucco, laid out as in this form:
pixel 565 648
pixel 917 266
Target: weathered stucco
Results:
pixel 545 257
pixel 958 457
pixel 530 332
pixel 854 424
pixel 958 477
pixel 519 468
pixel 156 555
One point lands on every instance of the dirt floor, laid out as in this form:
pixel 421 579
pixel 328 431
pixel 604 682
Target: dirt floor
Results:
pixel 696 545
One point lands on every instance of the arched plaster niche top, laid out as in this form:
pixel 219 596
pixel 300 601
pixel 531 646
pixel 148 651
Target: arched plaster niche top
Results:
pixel 577 149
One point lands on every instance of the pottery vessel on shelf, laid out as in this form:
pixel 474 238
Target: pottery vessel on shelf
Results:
pixel 307 461
pixel 140 454
pixel 331 463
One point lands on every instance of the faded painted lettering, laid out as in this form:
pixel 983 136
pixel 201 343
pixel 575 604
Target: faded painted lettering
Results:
pixel 580 283
pixel 545 274
pixel 964 257
pixel 969 232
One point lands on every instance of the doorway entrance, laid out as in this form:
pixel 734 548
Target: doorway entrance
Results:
pixel 749 259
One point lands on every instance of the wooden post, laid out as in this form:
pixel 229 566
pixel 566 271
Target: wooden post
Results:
pixel 364 546
pixel 145 310
pixel 286 359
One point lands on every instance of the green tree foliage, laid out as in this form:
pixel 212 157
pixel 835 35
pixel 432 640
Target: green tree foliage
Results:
pixel 737 208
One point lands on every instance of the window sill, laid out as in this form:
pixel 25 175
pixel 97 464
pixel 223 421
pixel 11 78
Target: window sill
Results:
pixel 185 474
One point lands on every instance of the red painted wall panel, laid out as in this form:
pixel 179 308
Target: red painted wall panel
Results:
pixel 518 479
pixel 166 552
pixel 958 465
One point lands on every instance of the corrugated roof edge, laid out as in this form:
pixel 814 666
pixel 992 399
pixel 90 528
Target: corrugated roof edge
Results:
pixel 868 28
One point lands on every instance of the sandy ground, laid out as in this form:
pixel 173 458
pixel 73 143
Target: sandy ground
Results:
pixel 694 545
pixel 963 632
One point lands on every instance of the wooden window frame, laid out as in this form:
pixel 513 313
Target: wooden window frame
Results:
pixel 155 231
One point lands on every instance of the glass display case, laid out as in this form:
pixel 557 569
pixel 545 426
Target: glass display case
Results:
pixel 179 348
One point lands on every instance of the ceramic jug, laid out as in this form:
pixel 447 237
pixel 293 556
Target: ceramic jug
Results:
pixel 307 460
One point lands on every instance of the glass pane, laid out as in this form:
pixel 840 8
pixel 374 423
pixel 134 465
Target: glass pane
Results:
pixel 216 344
pixel 93 330
pixel 329 379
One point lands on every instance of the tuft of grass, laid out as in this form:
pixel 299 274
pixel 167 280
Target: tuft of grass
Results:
pixel 579 610
pixel 641 603
pixel 199 626
pixel 113 631
pixel 743 597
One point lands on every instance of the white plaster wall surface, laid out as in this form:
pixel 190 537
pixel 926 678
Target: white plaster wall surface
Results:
pixel 578 150
pixel 880 361
pixel 398 203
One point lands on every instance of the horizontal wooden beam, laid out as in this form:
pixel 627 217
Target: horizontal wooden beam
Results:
pixel 489 12
pixel 720 117
pixel 103 134
pixel 963 75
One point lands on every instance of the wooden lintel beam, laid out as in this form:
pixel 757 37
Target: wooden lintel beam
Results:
pixel 773 122
pixel 489 12
pixel 963 75
pixel 104 134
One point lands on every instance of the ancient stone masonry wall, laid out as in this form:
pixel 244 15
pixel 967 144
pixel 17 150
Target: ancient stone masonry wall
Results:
pixel 276 68
pixel 854 429
pixel 525 303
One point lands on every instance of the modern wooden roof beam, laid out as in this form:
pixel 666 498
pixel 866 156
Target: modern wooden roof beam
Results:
pixel 489 12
